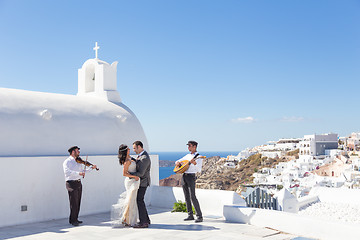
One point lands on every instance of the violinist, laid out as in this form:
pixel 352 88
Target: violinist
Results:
pixel 74 170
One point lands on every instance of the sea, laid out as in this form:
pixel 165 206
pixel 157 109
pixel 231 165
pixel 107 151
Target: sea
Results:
pixel 165 172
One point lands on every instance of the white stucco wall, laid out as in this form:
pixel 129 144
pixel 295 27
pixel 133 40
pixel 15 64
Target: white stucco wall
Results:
pixel 293 223
pixel 39 183
pixel 211 201
pixel 287 202
pixel 305 201
pixel 336 195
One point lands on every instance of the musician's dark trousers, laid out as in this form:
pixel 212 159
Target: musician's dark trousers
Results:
pixel 143 214
pixel 74 190
pixel 188 184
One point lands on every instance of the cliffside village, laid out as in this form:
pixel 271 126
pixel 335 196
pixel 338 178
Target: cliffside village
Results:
pixel 314 160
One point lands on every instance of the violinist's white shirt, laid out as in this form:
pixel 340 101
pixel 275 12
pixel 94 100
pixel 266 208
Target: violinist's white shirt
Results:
pixel 72 169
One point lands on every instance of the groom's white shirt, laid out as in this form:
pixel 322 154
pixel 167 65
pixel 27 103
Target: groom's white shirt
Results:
pixel 141 153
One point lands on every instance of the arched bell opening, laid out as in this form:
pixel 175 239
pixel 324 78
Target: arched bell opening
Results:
pixel 90 78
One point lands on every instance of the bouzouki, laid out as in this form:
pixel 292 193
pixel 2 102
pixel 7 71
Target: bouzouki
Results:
pixel 185 164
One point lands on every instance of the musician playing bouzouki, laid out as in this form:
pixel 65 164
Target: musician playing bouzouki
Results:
pixel 188 181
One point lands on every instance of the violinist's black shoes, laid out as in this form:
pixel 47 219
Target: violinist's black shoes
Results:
pixel 75 224
pixel 199 219
pixel 80 222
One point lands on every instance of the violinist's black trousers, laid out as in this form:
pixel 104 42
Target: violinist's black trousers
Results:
pixel 74 188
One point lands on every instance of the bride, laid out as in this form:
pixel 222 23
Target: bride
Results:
pixel 125 212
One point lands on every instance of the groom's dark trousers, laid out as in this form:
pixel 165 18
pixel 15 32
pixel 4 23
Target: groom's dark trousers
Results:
pixel 143 165
pixel 143 214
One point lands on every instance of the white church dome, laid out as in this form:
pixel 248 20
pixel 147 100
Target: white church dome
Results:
pixel 43 124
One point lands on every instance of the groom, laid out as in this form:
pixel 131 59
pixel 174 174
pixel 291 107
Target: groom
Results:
pixel 143 172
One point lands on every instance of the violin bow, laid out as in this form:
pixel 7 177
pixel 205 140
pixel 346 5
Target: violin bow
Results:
pixel 85 166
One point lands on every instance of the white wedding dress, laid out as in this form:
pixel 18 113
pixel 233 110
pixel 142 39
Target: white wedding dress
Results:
pixel 125 212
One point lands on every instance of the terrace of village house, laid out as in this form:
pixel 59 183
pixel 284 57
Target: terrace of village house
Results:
pixel 164 225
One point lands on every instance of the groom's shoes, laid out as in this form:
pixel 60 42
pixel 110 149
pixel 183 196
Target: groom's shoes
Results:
pixel 199 219
pixel 75 224
pixel 189 218
pixel 141 225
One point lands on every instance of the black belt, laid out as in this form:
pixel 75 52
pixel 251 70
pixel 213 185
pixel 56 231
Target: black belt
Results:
pixel 189 173
pixel 78 180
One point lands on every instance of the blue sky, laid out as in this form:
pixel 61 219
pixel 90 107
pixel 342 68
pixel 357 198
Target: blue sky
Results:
pixel 228 74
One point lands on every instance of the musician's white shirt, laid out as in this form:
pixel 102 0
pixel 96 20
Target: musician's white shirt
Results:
pixel 192 168
pixel 73 168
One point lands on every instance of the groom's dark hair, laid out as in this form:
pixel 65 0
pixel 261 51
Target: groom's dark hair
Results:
pixel 139 143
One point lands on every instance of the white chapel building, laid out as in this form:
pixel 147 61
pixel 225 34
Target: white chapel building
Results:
pixel 36 130
pixel 46 124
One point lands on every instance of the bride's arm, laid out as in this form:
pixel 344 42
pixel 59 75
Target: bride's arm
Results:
pixel 126 171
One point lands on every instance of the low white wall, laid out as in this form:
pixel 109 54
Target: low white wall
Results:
pixel 211 201
pixel 336 195
pixel 292 223
pixel 39 183
pixel 307 200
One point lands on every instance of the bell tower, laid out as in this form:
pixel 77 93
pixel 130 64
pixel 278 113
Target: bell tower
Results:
pixel 98 78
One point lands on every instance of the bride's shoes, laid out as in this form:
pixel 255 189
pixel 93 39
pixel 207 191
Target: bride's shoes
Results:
pixel 126 224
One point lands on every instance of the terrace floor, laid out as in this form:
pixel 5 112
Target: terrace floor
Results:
pixel 165 225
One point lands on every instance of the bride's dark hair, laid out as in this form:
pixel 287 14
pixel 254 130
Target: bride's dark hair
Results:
pixel 122 153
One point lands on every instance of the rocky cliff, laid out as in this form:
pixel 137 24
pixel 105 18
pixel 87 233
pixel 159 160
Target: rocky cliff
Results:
pixel 172 181
pixel 215 175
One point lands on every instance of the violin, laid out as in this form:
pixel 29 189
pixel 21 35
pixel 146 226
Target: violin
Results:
pixel 86 163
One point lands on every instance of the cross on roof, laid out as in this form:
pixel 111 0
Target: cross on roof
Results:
pixel 96 48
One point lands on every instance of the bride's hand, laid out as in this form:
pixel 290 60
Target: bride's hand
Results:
pixel 136 178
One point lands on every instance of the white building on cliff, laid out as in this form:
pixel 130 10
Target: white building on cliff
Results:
pixel 315 145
